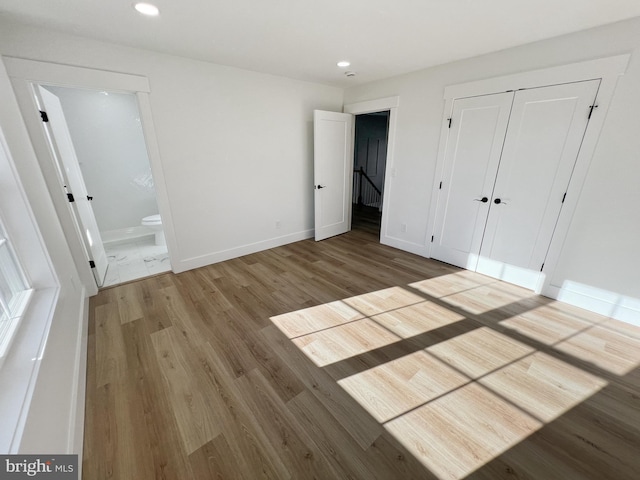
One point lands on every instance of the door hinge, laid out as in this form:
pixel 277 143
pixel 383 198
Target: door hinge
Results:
pixel 564 196
pixel 591 110
pixel 92 264
pixel 542 267
pixel 449 121
pixel 44 116
pixel 440 187
pixel 70 197
pixel 431 238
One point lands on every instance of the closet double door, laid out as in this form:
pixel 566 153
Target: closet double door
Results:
pixel 508 162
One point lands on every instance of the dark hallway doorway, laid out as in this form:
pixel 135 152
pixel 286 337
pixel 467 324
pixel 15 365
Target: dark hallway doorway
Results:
pixel 370 158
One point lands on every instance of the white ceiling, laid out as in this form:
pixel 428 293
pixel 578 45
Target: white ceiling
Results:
pixel 304 39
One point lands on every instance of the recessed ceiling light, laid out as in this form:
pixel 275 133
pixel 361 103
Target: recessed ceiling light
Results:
pixel 344 64
pixel 147 9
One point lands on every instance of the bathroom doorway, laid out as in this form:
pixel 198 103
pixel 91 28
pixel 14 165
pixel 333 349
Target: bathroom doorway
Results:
pixel 106 133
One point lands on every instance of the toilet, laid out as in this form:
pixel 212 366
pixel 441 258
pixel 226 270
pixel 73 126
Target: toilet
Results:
pixel 154 222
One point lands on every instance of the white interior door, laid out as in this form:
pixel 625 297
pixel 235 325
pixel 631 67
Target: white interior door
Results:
pixel 476 137
pixel 70 167
pixel 543 140
pixel 333 171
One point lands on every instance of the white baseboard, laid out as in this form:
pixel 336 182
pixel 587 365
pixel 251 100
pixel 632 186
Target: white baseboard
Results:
pixel 610 304
pixel 404 245
pixel 215 257
pixel 123 235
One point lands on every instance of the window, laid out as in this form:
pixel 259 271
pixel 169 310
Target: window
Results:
pixel 14 294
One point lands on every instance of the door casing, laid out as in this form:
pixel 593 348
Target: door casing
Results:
pixel 24 75
pixel 391 104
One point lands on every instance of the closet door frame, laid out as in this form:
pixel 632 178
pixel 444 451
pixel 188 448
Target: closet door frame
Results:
pixel 607 70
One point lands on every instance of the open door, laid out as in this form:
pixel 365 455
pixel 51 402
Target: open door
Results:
pixel 333 170
pixel 65 154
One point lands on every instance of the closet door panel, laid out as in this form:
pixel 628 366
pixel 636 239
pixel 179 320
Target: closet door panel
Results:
pixel 474 145
pixel 543 139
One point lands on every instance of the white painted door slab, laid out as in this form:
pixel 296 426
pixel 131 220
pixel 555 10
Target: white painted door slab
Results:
pixel 541 146
pixel 64 150
pixel 476 137
pixel 333 171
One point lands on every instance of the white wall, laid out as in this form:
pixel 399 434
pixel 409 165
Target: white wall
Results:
pixel 235 146
pixel 600 252
pixel 107 135
pixel 236 153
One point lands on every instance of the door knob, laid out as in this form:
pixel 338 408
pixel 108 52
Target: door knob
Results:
pixel 497 201
pixel 320 186
pixel 483 199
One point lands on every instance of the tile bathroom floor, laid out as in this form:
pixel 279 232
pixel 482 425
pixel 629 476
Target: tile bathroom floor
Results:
pixel 136 259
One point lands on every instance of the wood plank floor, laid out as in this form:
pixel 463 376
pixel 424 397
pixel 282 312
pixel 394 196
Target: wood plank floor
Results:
pixel 346 359
pixel 366 218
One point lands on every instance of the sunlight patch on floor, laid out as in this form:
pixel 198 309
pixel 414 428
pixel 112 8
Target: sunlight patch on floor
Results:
pixel 394 388
pixel 339 330
pixel 315 319
pixel 543 386
pixel 466 391
pixel 495 297
pixel 546 324
pixel 382 301
pixel 445 285
pixel 344 341
pixel 479 352
pixel 452 443
pixel 615 352
pixel 417 319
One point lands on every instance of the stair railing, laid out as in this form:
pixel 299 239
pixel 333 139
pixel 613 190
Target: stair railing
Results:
pixel 365 191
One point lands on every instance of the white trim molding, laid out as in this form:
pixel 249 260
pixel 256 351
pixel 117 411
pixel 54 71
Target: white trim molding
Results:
pixel 378 105
pixel 221 256
pixel 371 106
pixel 610 304
pixel 72 76
pixel 569 73
pixel 25 76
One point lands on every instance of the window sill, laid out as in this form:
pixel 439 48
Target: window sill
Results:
pixel 19 371
pixel 8 332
